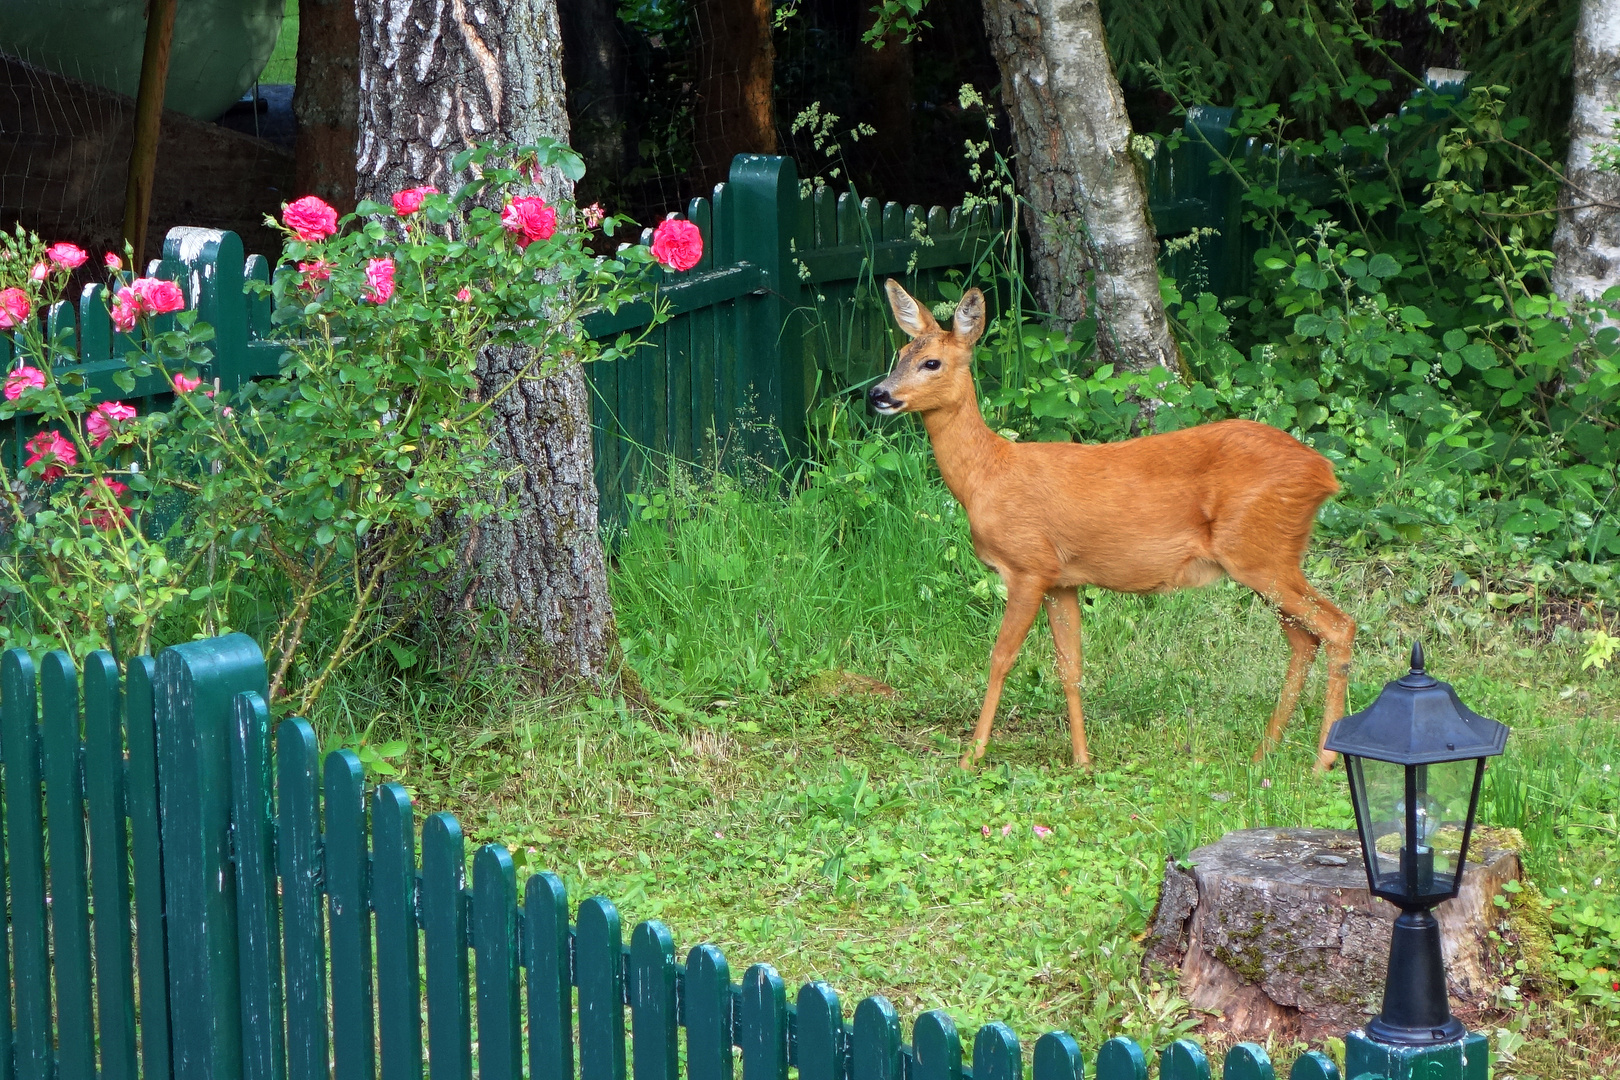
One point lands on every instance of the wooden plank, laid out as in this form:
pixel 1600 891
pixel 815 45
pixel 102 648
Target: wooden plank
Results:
pixel 70 892
pixel 762 1025
pixel 298 848
pixel 444 928
pixel 25 836
pixel 399 971
pixel 654 1031
pixel 598 952
pixel 146 851
pixel 936 1048
pixel 495 940
pixel 8 1049
pixel 849 219
pixel 109 866
pixel 62 333
pixel 996 1054
pixel 1057 1057
pixel 821 1033
pixel 1248 1061
pixel 894 222
pixel 1183 1060
pixel 1121 1059
pixel 258 926
pixel 348 916
pixel 874 1051
pixel 95 324
pixel 699 214
pixel 708 1015
pixel 681 295
pixel 1313 1065
pixel 826 215
pixel 551 997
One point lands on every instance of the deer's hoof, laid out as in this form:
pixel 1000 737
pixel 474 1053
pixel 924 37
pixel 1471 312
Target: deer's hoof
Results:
pixel 1324 762
pixel 967 762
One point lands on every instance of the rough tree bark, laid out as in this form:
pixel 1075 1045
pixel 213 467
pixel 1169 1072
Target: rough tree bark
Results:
pixel 883 79
pixel 326 100
pixel 735 66
pixel 1586 244
pixel 1087 202
pixel 594 66
pixel 436 77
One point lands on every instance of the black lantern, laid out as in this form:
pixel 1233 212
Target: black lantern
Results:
pixel 1415 760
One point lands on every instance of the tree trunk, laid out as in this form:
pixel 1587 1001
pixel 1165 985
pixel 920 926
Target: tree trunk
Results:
pixel 594 68
pixel 1586 245
pixel 326 101
pixel 434 79
pixel 735 66
pixel 883 79
pixel 1087 204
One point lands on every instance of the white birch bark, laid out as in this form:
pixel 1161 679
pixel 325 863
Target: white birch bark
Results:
pixel 1586 244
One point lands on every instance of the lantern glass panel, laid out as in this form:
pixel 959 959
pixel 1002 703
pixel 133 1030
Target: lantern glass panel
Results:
pixel 1414 820
pixel 1379 788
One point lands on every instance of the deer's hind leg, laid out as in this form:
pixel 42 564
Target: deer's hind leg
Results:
pixel 1023 602
pixel 1063 613
pixel 1302 645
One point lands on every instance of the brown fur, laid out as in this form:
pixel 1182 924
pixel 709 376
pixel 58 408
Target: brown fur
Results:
pixel 1153 514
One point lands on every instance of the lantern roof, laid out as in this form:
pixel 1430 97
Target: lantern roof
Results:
pixel 1417 720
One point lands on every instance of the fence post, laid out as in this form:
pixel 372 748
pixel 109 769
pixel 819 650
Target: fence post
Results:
pixel 196 684
pixel 214 265
pixel 763 194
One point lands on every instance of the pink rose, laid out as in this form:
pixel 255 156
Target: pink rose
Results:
pixel 464 294
pixel 379 280
pixel 112 261
pixel 99 424
pixel 22 380
pixel 52 447
pixel 67 256
pixel 185 384
pixel 158 297
pixel 677 244
pixel 314 273
pixel 98 494
pixel 310 219
pixel 410 200
pixel 529 219
pixel 126 310
pixel 40 272
pixel 14 308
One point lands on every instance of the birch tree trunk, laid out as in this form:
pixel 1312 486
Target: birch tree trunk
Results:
pixel 1586 244
pixel 1088 211
pixel 436 77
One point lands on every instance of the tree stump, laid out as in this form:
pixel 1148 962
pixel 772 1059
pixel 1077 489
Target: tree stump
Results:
pixel 1274 931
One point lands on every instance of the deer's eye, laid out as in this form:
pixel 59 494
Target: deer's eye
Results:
pixel 931 365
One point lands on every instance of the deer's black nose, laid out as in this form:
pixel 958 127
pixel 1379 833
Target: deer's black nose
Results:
pixel 879 397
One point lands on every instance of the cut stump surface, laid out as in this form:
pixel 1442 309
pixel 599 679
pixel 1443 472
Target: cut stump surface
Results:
pixel 1274 931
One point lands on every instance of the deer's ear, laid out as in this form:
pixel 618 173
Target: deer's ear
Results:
pixel 968 323
pixel 913 318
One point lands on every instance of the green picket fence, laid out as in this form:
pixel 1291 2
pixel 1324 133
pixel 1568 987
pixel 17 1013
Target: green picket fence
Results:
pixel 290 923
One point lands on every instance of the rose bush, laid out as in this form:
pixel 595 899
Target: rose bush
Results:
pixel 314 509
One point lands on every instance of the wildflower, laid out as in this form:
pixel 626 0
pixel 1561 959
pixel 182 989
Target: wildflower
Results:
pixel 1597 881
pixel 1266 783
pixel 529 219
pixel 51 446
pixel 101 492
pixel 112 261
pixel 677 244
pixel 1041 831
pixel 126 310
pixel 1006 829
pixel 985 829
pixel 410 200
pixel 310 219
pixel 99 424
pixel 593 215
pixel 185 384
pixel 14 308
pixel 379 280
pixel 67 256
pixel 464 294
pixel 158 297
pixel 22 380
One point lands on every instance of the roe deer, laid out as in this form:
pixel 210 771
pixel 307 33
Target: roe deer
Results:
pixel 1153 514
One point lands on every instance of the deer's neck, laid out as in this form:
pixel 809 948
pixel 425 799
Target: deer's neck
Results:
pixel 964 447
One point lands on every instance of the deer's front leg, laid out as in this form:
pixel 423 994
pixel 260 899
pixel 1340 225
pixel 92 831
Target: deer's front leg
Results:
pixel 1023 601
pixel 1063 612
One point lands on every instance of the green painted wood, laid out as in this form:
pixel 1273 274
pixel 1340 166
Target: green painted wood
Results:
pixel 550 989
pixel 598 972
pixel 826 217
pixel 936 1049
pixel 762 189
pixel 214 260
pixel 820 1033
pixel 109 866
pixel 1121 1059
pixel 196 682
pixel 61 331
pixel 762 1025
pixel 348 916
pixel 1313 1065
pixel 654 1040
pixel 1247 1061
pixel 699 214
pixel 707 1002
pixel 8 1049
pixel 1057 1057
pixel 894 222
pixel 146 857
pixel 495 940
pixel 849 218
pixel 95 324
pixel 298 851
pixel 399 966
pixel 874 1051
pixel 1183 1060
pixel 444 930
pixel 70 892
pixel 258 926
pixel 25 837
pixel 996 1055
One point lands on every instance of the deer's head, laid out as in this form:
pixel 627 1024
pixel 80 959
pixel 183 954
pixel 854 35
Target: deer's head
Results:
pixel 934 370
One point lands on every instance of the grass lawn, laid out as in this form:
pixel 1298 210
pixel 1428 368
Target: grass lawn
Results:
pixel 792 814
pixel 283 65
